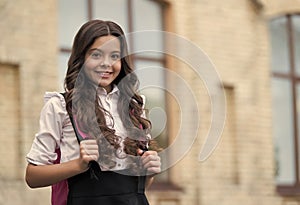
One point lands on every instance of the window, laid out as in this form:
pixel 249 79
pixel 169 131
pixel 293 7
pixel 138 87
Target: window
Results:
pixel 285 41
pixel 131 15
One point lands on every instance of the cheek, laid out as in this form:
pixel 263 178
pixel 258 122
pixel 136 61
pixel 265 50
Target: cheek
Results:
pixel 117 67
pixel 89 64
pixel 88 70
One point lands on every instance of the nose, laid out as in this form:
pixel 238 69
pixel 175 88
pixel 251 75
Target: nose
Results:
pixel 105 62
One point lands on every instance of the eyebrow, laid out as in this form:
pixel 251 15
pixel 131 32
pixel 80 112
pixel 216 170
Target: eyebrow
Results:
pixel 97 49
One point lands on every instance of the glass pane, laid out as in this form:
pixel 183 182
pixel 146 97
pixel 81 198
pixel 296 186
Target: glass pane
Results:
pixel 62 66
pixel 279 43
pixel 72 14
pixel 148 15
pixel 152 83
pixel 151 76
pixel 283 131
pixel 113 10
pixel 296 44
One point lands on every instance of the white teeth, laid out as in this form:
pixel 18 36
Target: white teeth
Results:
pixel 103 74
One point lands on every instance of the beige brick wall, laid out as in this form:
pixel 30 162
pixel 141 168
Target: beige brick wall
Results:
pixel 274 8
pixel 29 43
pixel 234 35
pixel 10 126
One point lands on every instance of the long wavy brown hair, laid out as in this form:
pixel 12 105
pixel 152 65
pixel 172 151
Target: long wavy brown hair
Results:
pixel 82 101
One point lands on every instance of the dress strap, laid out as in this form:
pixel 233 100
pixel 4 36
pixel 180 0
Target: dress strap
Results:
pixel 142 177
pixel 141 184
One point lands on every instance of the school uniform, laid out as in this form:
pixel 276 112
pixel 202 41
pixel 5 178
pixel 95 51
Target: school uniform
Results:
pixel 56 142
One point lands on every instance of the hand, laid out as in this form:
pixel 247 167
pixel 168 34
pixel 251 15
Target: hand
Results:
pixel 150 161
pixel 88 152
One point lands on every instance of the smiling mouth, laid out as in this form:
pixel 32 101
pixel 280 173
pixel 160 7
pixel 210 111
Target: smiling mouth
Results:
pixel 104 74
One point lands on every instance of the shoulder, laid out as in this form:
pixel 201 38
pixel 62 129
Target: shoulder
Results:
pixel 54 102
pixel 54 98
pixel 54 108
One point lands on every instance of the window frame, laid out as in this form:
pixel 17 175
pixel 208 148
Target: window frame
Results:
pixel 291 76
pixel 161 185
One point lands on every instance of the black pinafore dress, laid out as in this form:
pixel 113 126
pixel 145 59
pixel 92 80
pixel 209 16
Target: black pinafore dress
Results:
pixel 106 188
pixel 96 187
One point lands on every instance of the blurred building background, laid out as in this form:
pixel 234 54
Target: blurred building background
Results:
pixel 254 45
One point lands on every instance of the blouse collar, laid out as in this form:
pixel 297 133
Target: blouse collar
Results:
pixel 102 91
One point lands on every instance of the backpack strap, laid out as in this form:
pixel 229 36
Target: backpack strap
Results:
pixel 77 133
pixel 93 165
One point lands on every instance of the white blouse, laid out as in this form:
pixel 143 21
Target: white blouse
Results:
pixel 56 130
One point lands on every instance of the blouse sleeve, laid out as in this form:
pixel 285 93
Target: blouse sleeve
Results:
pixel 47 140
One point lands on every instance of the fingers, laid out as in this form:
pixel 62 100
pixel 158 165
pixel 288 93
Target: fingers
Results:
pixel 151 162
pixel 89 150
pixel 140 152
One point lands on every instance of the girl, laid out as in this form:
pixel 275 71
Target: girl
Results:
pixel 93 142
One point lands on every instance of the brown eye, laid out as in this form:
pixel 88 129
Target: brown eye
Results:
pixel 96 54
pixel 115 56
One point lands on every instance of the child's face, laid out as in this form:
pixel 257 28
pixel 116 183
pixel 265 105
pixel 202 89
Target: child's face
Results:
pixel 103 61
